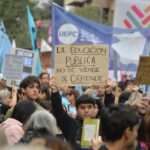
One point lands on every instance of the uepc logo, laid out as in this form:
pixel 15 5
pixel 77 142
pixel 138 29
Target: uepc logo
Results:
pixel 68 33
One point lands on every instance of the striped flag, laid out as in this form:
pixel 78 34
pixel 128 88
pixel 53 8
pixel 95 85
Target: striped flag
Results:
pixel 138 17
pixel 132 14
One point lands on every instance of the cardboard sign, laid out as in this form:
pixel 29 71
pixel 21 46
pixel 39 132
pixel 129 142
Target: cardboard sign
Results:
pixel 90 130
pixel 13 67
pixel 143 72
pixel 28 61
pixel 81 64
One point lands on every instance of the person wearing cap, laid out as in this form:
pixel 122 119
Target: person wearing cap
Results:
pixel 71 127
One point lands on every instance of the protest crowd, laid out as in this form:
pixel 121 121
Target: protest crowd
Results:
pixel 77 106
pixel 41 114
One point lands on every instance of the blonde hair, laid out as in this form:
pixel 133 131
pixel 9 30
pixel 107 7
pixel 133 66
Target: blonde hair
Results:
pixel 4 93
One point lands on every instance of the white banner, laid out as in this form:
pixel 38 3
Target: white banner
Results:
pixel 132 13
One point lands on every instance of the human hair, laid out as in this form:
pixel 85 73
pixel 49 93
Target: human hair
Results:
pixel 23 110
pixel 124 96
pixel 2 84
pixel 4 93
pixel 144 130
pixel 45 90
pixel 99 106
pixel 42 74
pixel 57 144
pixel 29 80
pixel 73 92
pixel 46 104
pixel 85 99
pixel 42 120
pixel 115 120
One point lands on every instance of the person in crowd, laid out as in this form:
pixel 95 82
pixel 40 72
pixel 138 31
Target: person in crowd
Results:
pixel 144 132
pixel 109 97
pixel 131 93
pixel 124 96
pixel 30 87
pixel 13 130
pixel 19 95
pixel 30 90
pixel 44 93
pixel 98 107
pixel 23 110
pixel 44 79
pixel 5 95
pixel 93 92
pixel 72 96
pixel 8 99
pixel 70 127
pixel 123 83
pixel 2 84
pixel 101 92
pixel 97 143
pixel 140 103
pixel 55 143
pixel 63 90
pixel 47 105
pixel 44 97
pixel 51 143
pixel 41 124
pixel 3 139
pixel 119 127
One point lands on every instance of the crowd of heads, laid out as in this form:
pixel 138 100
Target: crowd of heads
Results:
pixel 41 112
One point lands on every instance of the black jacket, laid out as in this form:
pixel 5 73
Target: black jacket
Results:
pixel 109 99
pixel 70 127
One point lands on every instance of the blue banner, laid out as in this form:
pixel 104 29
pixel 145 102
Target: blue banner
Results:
pixel 68 28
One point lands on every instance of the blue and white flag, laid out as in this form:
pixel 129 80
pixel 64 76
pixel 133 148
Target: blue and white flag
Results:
pixel 37 63
pixel 71 29
pixel 68 28
pixel 2 27
pixel 5 45
pixel 33 36
pixel 32 28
